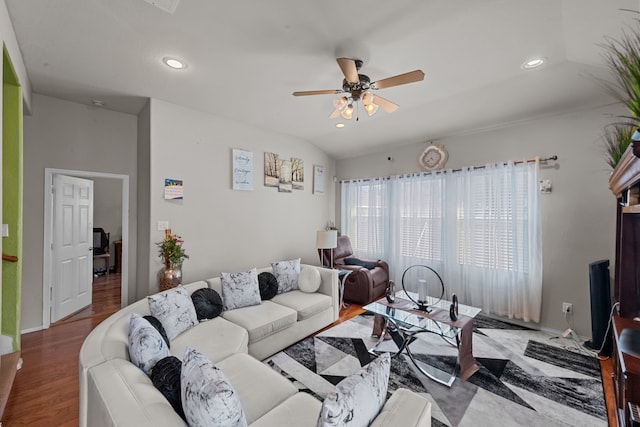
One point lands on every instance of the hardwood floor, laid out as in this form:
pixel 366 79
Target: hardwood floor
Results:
pixel 46 389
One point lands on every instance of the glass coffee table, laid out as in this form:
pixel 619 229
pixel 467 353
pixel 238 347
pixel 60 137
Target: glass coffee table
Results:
pixel 403 321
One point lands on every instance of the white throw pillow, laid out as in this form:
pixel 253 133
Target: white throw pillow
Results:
pixel 357 399
pixel 309 279
pixel 240 289
pixel 208 398
pixel 286 273
pixel 146 345
pixel 174 309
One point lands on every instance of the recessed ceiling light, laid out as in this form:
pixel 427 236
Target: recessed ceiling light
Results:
pixel 533 63
pixel 339 125
pixel 97 102
pixel 174 63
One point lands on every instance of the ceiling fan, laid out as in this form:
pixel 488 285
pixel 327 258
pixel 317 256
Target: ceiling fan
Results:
pixel 360 87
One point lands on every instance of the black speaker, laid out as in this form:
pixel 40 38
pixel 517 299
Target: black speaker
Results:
pixel 599 284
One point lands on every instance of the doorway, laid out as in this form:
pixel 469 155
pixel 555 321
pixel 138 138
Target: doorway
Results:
pixel 49 229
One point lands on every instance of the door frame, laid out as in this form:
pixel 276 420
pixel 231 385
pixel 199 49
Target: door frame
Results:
pixel 47 266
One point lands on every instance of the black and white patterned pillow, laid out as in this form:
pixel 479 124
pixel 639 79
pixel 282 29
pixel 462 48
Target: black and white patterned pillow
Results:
pixel 357 399
pixel 146 345
pixel 240 289
pixel 174 309
pixel 158 325
pixel 287 273
pixel 208 398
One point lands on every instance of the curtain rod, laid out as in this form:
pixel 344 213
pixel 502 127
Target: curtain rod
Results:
pixel 533 159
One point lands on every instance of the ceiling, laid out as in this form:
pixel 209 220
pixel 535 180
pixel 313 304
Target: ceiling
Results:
pixel 246 57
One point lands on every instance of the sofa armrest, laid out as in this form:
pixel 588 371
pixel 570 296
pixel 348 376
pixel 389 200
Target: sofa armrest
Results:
pixel 404 408
pixel 329 286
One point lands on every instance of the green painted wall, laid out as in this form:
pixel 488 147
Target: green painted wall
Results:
pixel 11 200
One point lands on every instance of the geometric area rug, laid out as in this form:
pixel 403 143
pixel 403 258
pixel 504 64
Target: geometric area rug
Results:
pixel 526 377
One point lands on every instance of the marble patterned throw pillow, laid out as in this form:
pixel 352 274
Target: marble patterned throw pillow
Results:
pixel 208 398
pixel 286 273
pixel 146 345
pixel 174 309
pixel 240 289
pixel 357 399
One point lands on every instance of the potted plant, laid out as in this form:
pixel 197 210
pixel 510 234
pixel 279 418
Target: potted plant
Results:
pixel 173 255
pixel 617 138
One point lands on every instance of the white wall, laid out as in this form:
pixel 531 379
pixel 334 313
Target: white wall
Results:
pixel 223 229
pixel 578 217
pixel 66 135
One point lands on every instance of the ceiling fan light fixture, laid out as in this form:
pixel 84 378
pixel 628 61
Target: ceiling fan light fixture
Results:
pixel 340 103
pixel 371 109
pixel 347 113
pixel 367 98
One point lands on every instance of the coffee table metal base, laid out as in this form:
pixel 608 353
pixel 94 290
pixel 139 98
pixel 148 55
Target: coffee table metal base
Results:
pixel 403 337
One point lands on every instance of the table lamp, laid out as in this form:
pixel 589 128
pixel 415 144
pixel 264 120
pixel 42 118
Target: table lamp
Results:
pixel 326 239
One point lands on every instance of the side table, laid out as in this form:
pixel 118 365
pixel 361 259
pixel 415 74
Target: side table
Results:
pixel 342 279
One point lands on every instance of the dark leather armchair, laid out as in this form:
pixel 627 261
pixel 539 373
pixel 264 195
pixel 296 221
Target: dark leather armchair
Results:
pixel 368 279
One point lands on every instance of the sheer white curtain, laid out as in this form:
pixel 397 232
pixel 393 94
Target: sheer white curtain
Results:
pixel 365 217
pixel 478 227
pixel 493 256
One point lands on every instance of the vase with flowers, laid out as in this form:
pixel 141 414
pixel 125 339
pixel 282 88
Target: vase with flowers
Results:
pixel 172 254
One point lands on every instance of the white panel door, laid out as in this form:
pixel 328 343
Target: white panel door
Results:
pixel 72 245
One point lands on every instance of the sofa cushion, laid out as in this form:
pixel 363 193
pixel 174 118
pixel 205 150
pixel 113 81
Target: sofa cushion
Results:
pixel 301 409
pixel 165 376
pixel 306 305
pixel 208 398
pixel 262 320
pixel 216 338
pixel 240 289
pixel 357 399
pixel 158 325
pixel 404 408
pixel 287 273
pixel 146 345
pixel 259 387
pixel 268 285
pixel 174 309
pixel 207 302
pixel 309 279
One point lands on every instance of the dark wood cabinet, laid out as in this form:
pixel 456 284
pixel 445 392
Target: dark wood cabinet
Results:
pixel 625 185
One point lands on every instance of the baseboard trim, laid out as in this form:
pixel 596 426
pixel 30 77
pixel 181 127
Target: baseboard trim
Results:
pixel 34 329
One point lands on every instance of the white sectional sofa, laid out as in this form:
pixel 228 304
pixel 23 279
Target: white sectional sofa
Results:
pixel 115 392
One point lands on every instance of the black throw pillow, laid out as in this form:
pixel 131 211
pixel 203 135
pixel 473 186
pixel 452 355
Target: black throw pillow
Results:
pixel 207 302
pixel 361 263
pixel 165 376
pixel 268 285
pixel 158 325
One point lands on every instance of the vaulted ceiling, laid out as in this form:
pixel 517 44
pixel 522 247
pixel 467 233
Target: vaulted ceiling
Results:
pixel 246 57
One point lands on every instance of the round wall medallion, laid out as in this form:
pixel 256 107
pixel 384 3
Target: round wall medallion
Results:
pixel 433 157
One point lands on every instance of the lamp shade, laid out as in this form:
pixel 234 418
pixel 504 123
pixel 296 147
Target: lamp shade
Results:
pixel 327 239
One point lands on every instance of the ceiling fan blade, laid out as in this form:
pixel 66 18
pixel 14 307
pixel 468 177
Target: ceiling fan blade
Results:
pixel 317 92
pixel 349 69
pixel 385 104
pixel 400 79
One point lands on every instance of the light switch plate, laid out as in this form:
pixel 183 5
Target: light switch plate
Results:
pixel 163 225
pixel 5 230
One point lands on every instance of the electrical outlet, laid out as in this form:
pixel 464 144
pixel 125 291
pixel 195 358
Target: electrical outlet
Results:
pixel 567 308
